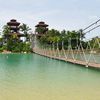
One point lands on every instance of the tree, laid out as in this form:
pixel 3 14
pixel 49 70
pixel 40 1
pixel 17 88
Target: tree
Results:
pixel 6 29
pixel 81 34
pixel 1 42
pixel 55 36
pixel 41 30
pixel 95 43
pixel 25 29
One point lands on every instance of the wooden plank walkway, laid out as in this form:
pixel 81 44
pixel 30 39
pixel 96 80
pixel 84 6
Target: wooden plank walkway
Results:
pixel 78 62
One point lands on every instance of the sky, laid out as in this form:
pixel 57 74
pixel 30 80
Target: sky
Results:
pixel 58 14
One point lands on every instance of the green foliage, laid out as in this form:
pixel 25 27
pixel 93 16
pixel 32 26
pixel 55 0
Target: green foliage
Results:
pixel 6 29
pixel 13 42
pixel 3 47
pixel 40 30
pixel 25 29
pixel 26 47
pixel 17 46
pixel 94 43
pixel 54 36
pixel 1 44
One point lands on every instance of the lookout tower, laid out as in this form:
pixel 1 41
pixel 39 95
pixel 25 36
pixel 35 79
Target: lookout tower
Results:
pixel 41 28
pixel 14 26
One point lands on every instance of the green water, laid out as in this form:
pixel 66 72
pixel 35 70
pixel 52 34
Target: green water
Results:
pixel 32 77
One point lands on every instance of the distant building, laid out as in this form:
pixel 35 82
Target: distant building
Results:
pixel 14 28
pixel 41 28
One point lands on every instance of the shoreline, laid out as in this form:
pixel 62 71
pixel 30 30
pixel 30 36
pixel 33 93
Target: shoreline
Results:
pixel 9 52
pixel 15 53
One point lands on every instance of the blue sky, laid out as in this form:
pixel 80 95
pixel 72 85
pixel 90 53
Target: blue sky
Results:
pixel 59 14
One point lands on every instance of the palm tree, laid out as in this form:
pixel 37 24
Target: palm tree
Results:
pixel 25 29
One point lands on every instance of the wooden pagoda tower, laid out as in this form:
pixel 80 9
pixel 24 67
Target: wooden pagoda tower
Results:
pixel 41 28
pixel 14 28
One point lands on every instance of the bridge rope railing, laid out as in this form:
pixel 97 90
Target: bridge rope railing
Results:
pixel 85 52
pixel 90 55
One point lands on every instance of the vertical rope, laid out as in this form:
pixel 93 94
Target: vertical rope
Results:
pixel 72 53
pixel 92 53
pixel 63 50
pixel 84 55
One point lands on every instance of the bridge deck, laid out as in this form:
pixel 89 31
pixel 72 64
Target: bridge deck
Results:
pixel 78 62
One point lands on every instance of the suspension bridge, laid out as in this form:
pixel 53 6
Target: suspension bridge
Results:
pixel 88 57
